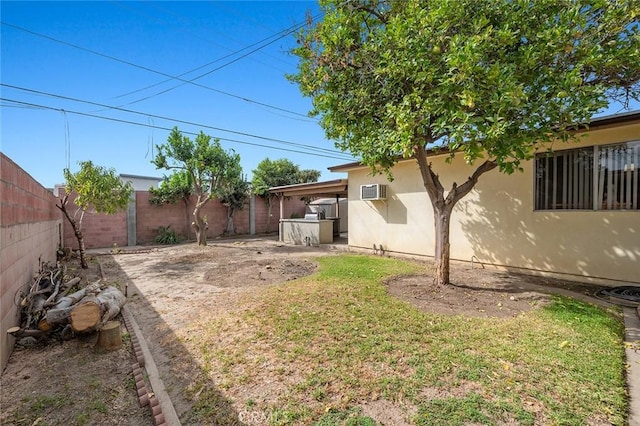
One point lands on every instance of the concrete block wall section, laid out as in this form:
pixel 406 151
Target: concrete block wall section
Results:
pixel 150 217
pixel 104 230
pixel 30 226
pixel 99 230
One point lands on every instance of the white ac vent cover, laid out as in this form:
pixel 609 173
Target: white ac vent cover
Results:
pixel 372 192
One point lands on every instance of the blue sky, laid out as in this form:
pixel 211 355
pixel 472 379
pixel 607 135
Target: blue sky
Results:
pixel 101 52
pixel 121 54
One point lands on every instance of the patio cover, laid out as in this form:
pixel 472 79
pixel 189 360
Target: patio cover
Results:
pixel 331 188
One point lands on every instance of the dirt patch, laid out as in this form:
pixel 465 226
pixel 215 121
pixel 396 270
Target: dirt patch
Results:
pixel 485 293
pixel 172 287
pixel 56 382
pixel 387 413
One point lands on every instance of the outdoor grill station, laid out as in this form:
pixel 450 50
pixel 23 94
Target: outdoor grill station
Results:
pixel 315 228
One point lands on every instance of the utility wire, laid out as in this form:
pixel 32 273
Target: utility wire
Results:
pixel 288 30
pixel 142 67
pixel 280 35
pixel 300 145
pixel 163 128
pixel 191 81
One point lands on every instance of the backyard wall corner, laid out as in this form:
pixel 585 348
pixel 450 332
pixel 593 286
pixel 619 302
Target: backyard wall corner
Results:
pixel 30 232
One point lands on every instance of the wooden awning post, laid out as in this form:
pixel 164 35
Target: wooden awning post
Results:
pixel 337 205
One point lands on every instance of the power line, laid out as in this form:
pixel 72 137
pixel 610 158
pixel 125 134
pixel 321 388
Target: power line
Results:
pixel 191 81
pixel 142 67
pixel 279 35
pixel 294 27
pixel 305 146
pixel 163 128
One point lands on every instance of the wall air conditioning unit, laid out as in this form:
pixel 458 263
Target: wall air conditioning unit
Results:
pixel 372 192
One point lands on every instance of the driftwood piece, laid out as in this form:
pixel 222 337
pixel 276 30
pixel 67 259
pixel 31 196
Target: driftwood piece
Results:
pixel 73 298
pixel 35 308
pixel 58 316
pixel 93 311
pixel 65 287
pixel 109 337
pixel 18 332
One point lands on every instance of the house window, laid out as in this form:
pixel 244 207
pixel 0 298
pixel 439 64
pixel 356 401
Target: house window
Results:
pixel 594 178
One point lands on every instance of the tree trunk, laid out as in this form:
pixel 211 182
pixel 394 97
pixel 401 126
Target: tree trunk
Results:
pixel 199 224
pixel 61 310
pixel 230 228
pixel 443 207
pixel 76 230
pixel 442 217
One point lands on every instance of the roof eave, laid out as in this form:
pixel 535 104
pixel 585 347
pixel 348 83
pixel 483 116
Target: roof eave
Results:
pixel 595 124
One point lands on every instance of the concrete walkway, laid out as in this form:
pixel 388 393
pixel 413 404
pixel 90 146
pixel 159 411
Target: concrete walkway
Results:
pixel 632 338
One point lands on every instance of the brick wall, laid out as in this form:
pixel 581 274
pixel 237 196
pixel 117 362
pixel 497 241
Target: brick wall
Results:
pixel 30 226
pixel 102 230
pixel 150 217
pixel 98 229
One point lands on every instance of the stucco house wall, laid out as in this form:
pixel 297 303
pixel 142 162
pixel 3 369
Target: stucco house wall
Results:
pixel 497 223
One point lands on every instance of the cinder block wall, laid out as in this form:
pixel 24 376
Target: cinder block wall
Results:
pixel 30 231
pixel 150 217
pixel 101 231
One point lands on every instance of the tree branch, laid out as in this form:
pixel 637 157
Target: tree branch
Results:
pixel 431 180
pixel 458 192
pixel 373 12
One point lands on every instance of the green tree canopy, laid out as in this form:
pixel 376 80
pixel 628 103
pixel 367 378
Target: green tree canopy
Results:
pixel 94 187
pixel 485 80
pixel 234 195
pixel 173 188
pixel 206 165
pixel 280 172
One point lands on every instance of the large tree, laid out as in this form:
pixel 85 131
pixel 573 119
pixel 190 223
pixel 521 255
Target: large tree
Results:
pixel 207 165
pixel 280 172
pixel 92 187
pixel 488 81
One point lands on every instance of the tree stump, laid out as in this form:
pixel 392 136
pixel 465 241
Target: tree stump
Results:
pixel 109 337
pixel 93 311
pixel 86 315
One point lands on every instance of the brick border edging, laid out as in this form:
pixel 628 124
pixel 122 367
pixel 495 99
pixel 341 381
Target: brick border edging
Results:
pixel 145 397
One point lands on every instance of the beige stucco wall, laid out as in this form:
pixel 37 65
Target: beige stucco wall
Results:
pixel 497 223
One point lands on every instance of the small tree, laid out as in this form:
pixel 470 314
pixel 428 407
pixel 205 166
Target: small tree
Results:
pixel 173 188
pixel 96 188
pixel 234 195
pixel 485 80
pixel 208 166
pixel 271 173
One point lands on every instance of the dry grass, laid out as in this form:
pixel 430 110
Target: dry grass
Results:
pixel 318 349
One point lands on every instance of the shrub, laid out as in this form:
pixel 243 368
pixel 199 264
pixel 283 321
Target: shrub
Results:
pixel 166 235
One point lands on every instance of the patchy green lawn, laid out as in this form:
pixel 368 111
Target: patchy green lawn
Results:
pixel 326 348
